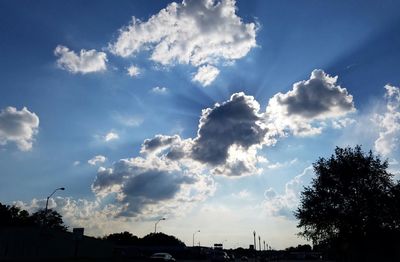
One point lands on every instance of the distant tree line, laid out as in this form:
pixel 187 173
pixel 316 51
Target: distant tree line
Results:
pixel 152 239
pixel 13 216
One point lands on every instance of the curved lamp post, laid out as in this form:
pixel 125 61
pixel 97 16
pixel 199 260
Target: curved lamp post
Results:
pixel 194 235
pixel 155 225
pixel 47 202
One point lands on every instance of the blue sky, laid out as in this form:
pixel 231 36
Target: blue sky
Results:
pixel 112 109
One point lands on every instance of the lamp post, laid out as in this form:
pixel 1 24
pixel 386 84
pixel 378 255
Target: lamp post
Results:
pixel 194 235
pixel 155 225
pixel 47 202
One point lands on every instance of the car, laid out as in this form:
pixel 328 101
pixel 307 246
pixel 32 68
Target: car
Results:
pixel 244 258
pixel 219 256
pixel 161 257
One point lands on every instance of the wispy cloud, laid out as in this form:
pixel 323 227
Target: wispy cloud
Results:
pixel 285 204
pixel 99 159
pixel 389 122
pixel 111 136
pixel 133 71
pixel 159 90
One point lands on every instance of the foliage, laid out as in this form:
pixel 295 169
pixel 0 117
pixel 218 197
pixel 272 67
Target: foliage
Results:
pixel 352 201
pixel 14 216
pixel 51 219
pixel 300 248
pixel 160 239
pixel 123 238
pixel 152 239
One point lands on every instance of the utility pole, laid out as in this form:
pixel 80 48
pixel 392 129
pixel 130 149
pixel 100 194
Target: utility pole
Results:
pixel 255 244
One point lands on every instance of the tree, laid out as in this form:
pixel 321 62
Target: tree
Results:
pixel 161 239
pixel 352 204
pixel 123 238
pixel 50 218
pixel 14 216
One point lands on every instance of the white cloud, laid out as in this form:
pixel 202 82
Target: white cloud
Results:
pixel 159 90
pixel 389 122
pixel 278 165
pixel 285 204
pixel 18 126
pixel 341 123
pixel 99 159
pixel 195 32
pixel 111 136
pixel 304 109
pixel 206 74
pixel 76 163
pixel 88 61
pixel 133 71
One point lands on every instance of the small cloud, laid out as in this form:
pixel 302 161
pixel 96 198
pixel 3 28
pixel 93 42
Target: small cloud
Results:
pixel 133 71
pixel 206 75
pixel 278 165
pixel 159 90
pixel 76 163
pixel 88 61
pixel 99 159
pixel 19 127
pixel 341 123
pixel 111 136
pixel 243 194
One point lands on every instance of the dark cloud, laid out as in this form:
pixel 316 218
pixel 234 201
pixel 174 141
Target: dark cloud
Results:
pixel 318 96
pixel 316 99
pixel 140 184
pixel 159 141
pixel 235 122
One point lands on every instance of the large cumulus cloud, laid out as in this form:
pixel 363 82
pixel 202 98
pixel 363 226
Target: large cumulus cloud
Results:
pixel 234 122
pixel 195 32
pixel 18 126
pixel 172 173
pixel 152 185
pixel 309 103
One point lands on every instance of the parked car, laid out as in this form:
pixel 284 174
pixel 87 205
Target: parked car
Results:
pixel 220 256
pixel 161 257
pixel 244 258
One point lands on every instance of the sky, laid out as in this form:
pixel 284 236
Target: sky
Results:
pixel 207 113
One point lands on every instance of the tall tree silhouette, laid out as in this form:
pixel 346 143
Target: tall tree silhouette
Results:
pixel 50 218
pixel 352 206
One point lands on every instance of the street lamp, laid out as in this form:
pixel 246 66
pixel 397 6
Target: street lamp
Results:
pixel 155 225
pixel 194 235
pixel 47 202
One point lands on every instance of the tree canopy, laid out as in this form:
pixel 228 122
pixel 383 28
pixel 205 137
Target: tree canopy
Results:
pixel 353 201
pixel 152 239
pixel 15 216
